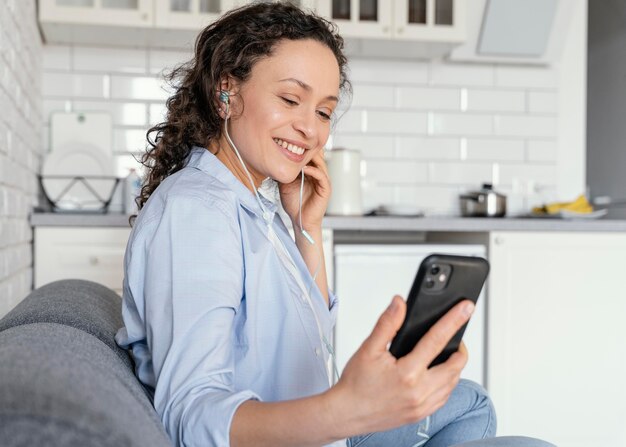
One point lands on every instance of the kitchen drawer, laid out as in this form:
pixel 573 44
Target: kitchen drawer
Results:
pixel 95 254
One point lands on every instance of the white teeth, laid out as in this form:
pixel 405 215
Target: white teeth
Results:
pixel 290 147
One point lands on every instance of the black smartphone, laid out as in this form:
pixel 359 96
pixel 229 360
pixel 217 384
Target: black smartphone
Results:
pixel 441 282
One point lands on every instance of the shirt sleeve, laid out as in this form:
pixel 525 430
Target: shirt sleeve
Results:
pixel 193 287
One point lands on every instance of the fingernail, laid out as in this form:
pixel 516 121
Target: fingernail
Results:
pixel 393 306
pixel 468 309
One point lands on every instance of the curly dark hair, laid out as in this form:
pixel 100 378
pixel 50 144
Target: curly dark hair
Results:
pixel 228 47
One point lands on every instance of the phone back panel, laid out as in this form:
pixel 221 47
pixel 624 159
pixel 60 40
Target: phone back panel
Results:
pixel 424 307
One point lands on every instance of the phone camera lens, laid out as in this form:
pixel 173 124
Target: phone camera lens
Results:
pixel 430 283
pixel 434 270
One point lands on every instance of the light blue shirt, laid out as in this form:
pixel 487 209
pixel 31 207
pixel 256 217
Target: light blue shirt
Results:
pixel 211 315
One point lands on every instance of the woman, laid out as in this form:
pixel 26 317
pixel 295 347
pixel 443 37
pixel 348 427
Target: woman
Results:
pixel 227 317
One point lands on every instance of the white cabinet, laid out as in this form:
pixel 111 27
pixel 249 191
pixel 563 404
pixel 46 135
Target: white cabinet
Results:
pixel 556 355
pixel 427 20
pixel 189 14
pixel 368 276
pixel 431 20
pixel 136 13
pixel 308 4
pixel 91 253
pixel 421 25
pixel 359 18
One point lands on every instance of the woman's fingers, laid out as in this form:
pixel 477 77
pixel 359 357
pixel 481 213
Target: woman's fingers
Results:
pixel 436 339
pixel 451 368
pixel 318 158
pixel 323 181
pixel 386 327
pixel 318 161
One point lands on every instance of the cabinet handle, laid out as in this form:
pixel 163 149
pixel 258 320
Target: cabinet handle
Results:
pixel 400 30
pixel 144 16
pixel 93 260
pixel 385 29
pixel 499 240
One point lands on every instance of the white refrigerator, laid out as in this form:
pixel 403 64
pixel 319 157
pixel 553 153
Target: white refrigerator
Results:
pixel 368 276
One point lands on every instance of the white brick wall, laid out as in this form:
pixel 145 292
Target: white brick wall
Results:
pixel 451 127
pixel 20 148
pixel 427 130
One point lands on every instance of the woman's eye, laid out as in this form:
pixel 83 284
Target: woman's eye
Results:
pixel 289 101
pixel 325 116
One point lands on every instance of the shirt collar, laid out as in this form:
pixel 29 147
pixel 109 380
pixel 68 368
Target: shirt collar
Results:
pixel 200 158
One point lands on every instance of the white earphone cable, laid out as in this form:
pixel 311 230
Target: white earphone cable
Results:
pixel 256 193
pixel 225 99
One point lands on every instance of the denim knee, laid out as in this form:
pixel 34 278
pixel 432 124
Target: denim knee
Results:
pixel 482 404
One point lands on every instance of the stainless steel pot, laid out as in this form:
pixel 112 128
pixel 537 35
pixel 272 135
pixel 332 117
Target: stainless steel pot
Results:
pixel 483 203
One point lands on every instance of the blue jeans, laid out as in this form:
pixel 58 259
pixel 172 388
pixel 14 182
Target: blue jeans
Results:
pixel 467 416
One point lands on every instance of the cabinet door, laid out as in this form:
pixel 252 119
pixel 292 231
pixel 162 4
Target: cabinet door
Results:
pixel 311 4
pixel 95 254
pixel 307 4
pixel 190 14
pixel 359 18
pixel 556 356
pixel 431 20
pixel 100 12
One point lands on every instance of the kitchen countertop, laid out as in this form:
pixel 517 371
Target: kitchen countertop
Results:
pixel 376 223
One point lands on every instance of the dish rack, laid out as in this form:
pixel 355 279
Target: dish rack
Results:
pixel 95 204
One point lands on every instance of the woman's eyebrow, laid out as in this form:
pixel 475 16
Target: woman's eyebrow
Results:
pixel 307 87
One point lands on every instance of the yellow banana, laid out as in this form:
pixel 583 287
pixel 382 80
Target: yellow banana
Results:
pixel 580 205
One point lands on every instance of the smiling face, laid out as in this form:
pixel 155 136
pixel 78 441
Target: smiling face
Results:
pixel 281 116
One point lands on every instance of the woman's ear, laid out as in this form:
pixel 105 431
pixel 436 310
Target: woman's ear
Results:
pixel 224 96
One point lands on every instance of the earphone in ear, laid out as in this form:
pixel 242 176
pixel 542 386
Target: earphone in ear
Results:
pixel 225 98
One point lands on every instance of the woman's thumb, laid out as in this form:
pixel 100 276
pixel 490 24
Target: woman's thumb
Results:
pixel 387 325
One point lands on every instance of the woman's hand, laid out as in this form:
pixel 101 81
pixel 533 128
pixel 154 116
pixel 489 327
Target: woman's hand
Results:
pixel 377 392
pixel 315 196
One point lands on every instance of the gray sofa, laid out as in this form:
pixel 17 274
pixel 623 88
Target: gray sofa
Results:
pixel 63 380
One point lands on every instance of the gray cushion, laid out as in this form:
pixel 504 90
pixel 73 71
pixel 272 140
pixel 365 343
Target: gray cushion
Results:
pixel 84 305
pixel 63 379
pixel 60 386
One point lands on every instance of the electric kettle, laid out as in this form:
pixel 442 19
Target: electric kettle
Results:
pixel 344 169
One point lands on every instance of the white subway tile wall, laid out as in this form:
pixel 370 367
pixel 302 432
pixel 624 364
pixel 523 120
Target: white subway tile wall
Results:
pixel 20 145
pixel 482 100
pixel 427 130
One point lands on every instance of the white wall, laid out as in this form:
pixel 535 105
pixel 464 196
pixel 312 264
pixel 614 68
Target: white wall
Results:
pixel 427 129
pixel 20 149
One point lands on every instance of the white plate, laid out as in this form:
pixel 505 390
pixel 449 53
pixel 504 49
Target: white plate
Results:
pixel 574 215
pixel 564 214
pixel 68 128
pixel 78 160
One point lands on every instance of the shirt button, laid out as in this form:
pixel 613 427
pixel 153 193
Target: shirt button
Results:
pixel 318 352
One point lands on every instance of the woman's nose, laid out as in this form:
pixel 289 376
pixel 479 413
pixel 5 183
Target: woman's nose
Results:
pixel 305 124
